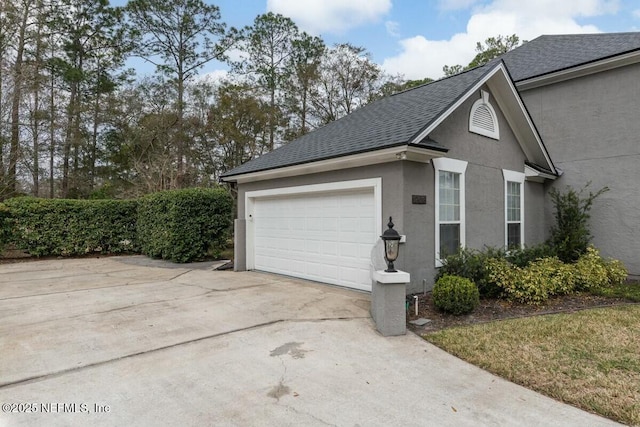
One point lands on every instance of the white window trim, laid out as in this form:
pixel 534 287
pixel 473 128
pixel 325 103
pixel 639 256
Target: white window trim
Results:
pixel 251 196
pixel 519 177
pixel 484 100
pixel 455 166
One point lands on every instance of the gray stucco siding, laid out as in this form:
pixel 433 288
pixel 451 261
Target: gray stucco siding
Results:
pixel 392 184
pixel 454 134
pixel 401 180
pixel 418 253
pixel 591 128
pixel 391 174
pixel 485 199
pixel 536 224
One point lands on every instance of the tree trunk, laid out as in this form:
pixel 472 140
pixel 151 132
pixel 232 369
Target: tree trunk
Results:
pixel 52 131
pixel 36 142
pixel 94 140
pixel 14 147
pixel 66 152
pixel 180 142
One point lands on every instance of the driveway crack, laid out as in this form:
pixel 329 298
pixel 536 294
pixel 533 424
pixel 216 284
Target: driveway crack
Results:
pixel 38 378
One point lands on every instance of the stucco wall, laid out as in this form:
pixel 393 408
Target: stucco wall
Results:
pixel 392 185
pixel 591 128
pixel 484 180
pixel 418 253
pixel 403 179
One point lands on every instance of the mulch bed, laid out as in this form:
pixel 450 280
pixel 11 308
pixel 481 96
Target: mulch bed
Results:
pixel 495 309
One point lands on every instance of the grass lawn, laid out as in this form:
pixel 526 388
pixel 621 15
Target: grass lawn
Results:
pixel 590 359
pixel 629 290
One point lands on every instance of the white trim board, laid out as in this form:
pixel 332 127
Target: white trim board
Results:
pixel 517 177
pixel 455 166
pixel 385 155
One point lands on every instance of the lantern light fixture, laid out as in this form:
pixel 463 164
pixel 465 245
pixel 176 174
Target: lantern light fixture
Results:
pixel 391 240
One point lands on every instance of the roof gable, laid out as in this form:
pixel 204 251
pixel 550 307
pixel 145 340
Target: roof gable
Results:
pixel 405 119
pixel 387 122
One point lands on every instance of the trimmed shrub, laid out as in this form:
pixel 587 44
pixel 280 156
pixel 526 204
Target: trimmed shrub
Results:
pixel 552 275
pixel 45 227
pixel 471 264
pixel 524 285
pixel 184 225
pixel 592 271
pixel 455 295
pixel 616 271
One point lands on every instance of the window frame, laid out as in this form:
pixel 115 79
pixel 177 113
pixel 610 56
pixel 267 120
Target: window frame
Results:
pixel 518 178
pixel 458 167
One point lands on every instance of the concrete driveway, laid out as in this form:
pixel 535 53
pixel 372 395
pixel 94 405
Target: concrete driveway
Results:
pixel 131 341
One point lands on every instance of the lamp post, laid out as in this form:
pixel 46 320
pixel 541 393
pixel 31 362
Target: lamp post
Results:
pixel 391 240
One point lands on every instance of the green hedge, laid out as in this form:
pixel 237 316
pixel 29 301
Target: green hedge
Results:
pixel 45 227
pixel 5 225
pixel 184 225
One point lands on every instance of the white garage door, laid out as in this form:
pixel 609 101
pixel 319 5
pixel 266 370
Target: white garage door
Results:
pixel 326 237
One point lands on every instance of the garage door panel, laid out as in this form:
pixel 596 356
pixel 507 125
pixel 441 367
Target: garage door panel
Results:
pixel 324 237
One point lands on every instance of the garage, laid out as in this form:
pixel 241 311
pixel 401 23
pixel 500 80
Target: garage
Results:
pixel 321 232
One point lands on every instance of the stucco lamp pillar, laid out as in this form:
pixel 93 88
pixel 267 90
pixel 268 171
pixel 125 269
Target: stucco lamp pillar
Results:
pixel 388 291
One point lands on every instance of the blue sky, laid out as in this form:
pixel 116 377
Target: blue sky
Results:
pixel 416 38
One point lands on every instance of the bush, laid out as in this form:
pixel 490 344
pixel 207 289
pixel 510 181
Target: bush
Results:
pixel 536 282
pixel 471 264
pixel 5 226
pixel 552 275
pixel 455 295
pixel 524 257
pixel 45 227
pixel 594 273
pixel 617 272
pixel 184 225
pixel 570 235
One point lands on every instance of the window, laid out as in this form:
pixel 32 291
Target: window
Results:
pixel 483 119
pixel 449 209
pixel 514 209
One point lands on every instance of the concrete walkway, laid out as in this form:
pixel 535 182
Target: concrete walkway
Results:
pixel 131 341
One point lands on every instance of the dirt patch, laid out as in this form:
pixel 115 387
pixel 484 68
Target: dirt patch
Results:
pixel 495 309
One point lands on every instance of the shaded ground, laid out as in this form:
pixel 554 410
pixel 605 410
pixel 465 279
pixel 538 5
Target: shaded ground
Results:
pixel 495 309
pixel 12 256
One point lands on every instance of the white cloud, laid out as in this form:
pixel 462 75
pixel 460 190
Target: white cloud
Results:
pixel 636 13
pixel 420 57
pixel 332 16
pixel 393 28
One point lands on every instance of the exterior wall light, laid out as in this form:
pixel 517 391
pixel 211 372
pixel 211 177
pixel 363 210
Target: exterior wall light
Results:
pixel 391 240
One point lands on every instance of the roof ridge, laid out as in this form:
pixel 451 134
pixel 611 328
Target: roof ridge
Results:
pixel 438 80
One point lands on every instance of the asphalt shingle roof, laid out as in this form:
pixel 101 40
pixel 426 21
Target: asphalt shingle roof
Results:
pixel 548 54
pixel 397 119
pixel 387 122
